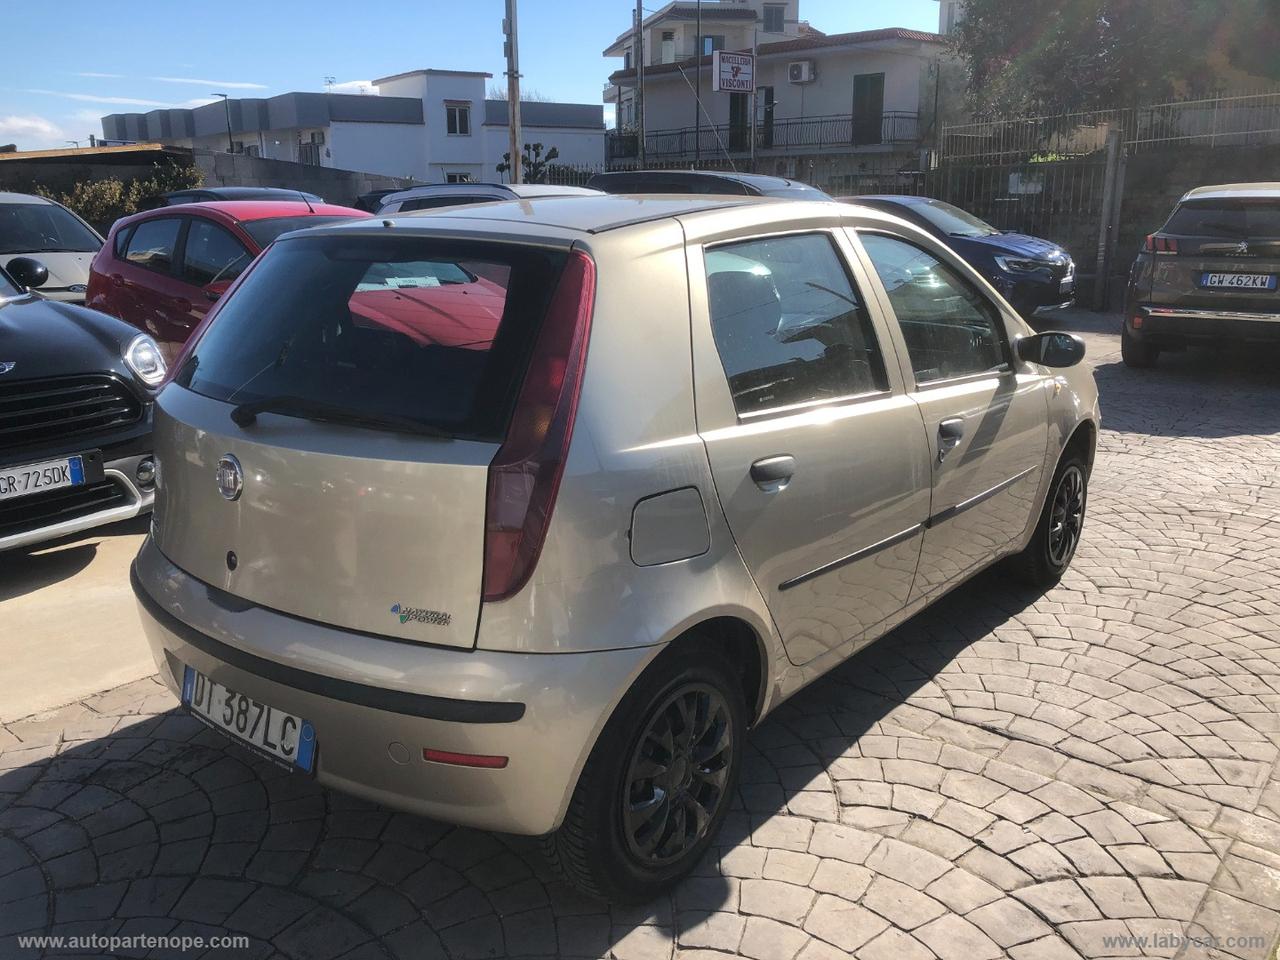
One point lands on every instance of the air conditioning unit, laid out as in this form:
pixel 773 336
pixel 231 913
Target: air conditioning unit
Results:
pixel 801 71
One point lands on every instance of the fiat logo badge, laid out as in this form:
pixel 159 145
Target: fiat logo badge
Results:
pixel 230 477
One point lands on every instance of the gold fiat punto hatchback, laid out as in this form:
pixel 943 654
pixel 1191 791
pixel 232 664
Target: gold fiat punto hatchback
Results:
pixel 521 515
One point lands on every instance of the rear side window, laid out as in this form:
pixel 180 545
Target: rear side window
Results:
pixel 121 242
pixel 789 325
pixel 951 330
pixel 152 244
pixel 212 254
pixel 1231 219
pixel 432 330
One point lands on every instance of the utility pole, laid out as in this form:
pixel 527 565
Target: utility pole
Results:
pixel 639 58
pixel 226 105
pixel 511 28
pixel 755 91
pixel 697 106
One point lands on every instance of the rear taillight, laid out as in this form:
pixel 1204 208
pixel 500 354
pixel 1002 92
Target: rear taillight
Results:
pixel 525 475
pixel 1155 243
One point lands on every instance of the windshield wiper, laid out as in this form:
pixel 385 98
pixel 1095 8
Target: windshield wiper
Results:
pixel 246 413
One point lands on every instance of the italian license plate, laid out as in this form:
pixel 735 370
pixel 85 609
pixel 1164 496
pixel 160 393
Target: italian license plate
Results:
pixel 1239 281
pixel 36 478
pixel 280 735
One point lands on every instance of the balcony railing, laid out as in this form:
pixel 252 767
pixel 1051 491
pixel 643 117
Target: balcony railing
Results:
pixel 896 127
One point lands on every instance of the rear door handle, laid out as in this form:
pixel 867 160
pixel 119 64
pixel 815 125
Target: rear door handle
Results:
pixel 183 304
pixel 773 471
pixel 950 433
pixel 117 280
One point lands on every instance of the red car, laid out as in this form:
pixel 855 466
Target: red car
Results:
pixel 162 270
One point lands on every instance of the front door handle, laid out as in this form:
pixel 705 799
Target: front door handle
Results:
pixel 950 433
pixel 773 472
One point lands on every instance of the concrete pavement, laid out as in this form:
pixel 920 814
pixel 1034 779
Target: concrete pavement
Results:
pixel 68 626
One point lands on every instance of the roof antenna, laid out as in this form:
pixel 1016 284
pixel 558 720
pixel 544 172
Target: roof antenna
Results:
pixel 306 201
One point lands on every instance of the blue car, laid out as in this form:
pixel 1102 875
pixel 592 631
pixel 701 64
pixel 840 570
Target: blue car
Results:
pixel 1031 273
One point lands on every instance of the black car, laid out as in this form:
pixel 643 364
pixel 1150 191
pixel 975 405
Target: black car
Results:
pixel 76 389
pixel 204 194
pixel 1031 273
pixel 704 182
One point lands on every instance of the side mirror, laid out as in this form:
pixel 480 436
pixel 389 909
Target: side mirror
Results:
pixel 1052 349
pixel 27 272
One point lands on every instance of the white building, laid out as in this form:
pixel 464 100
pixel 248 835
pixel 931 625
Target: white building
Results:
pixel 858 95
pixel 431 125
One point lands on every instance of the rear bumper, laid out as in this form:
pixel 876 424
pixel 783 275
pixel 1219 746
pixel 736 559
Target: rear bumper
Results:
pixel 375 703
pixel 1159 324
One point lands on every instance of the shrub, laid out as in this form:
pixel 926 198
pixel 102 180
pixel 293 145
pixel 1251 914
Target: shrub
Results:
pixel 104 201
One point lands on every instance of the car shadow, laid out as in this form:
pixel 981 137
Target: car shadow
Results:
pixel 157 825
pixel 41 565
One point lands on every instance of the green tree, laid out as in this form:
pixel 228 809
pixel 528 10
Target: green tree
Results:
pixel 1059 56
pixel 533 163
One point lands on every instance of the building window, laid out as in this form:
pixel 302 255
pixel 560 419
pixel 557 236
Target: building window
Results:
pixel 459 119
pixel 626 60
pixel 712 42
pixel 317 136
pixel 774 17
pixel 458 178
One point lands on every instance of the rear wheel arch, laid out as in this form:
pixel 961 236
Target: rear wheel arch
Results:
pixel 742 645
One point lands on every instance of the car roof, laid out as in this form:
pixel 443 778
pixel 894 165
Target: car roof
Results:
pixel 240 193
pixel 249 210
pixel 760 181
pixel 9 197
pixel 583 214
pixel 487 190
pixel 1234 191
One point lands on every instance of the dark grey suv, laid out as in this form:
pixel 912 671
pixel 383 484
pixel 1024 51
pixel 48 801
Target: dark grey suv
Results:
pixel 1209 275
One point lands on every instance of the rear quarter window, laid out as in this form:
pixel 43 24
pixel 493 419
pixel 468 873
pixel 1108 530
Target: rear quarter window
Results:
pixel 432 330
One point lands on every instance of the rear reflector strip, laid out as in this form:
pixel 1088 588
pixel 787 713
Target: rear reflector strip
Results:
pixel 464 759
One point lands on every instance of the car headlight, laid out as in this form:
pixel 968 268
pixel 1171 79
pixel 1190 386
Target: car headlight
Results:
pixel 143 357
pixel 1019 264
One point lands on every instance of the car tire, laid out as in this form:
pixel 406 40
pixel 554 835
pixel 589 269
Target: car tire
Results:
pixel 600 848
pixel 1135 352
pixel 1059 526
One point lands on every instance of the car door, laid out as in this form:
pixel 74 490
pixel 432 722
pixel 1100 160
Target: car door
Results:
pixel 986 420
pixel 160 302
pixel 818 455
pixel 212 257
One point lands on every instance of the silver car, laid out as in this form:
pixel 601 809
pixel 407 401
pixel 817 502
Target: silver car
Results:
pixel 521 516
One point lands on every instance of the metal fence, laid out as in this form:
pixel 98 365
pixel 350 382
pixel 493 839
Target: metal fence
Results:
pixel 892 127
pixel 1227 120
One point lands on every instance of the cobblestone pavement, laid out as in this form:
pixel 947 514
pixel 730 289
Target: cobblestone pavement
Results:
pixel 1007 775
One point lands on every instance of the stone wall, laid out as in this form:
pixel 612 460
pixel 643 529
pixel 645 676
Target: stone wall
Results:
pixel 219 170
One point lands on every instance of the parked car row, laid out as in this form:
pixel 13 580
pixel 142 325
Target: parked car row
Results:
pixel 410 518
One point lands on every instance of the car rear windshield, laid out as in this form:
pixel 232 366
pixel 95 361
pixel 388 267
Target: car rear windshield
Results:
pixel 431 330
pixel 265 231
pixel 1237 219
pixel 43 228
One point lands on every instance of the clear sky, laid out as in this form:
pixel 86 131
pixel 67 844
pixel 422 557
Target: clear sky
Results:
pixel 68 62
